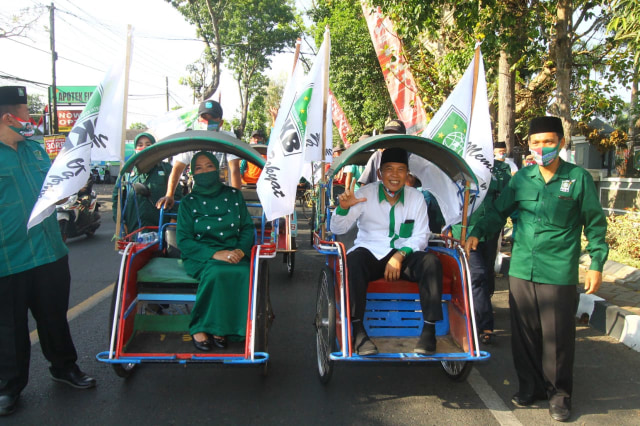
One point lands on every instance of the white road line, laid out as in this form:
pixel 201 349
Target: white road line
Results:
pixel 80 308
pixel 491 400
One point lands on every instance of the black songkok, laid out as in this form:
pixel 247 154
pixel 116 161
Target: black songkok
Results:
pixel 546 125
pixel 394 155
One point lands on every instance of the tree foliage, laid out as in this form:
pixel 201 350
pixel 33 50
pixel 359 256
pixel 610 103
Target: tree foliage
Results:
pixel 19 24
pixel 36 104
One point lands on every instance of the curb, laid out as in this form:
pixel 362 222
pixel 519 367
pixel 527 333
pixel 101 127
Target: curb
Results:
pixel 610 319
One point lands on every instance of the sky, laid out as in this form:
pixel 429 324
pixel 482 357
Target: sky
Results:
pixel 89 36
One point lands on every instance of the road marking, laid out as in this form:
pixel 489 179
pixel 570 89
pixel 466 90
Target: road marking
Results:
pixel 491 400
pixel 80 308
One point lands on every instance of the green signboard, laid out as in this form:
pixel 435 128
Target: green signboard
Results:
pixel 74 94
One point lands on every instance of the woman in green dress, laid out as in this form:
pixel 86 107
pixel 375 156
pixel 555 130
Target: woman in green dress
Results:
pixel 215 235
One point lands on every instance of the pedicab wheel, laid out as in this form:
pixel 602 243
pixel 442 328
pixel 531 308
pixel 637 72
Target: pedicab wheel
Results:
pixel 457 371
pixel 263 314
pixel 325 323
pixel 121 370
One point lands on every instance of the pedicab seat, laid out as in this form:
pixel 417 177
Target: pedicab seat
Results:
pixel 165 275
pixel 393 309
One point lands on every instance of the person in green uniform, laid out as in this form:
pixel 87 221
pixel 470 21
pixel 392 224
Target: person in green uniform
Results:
pixel 482 260
pixel 556 202
pixel 139 210
pixel 215 235
pixel 34 265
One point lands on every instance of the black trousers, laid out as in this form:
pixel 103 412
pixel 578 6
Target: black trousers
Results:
pixel 481 263
pixel 543 337
pixel 45 291
pixel 422 267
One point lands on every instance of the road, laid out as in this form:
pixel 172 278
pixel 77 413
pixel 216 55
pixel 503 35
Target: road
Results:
pixel 607 377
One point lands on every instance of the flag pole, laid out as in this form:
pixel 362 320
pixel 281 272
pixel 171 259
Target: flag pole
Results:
pixel 325 97
pixel 296 55
pixel 124 126
pixel 467 189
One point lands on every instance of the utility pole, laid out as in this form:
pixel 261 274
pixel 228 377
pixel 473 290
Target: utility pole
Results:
pixel 54 58
pixel 166 79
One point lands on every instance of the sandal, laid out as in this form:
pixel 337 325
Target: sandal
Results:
pixel 487 338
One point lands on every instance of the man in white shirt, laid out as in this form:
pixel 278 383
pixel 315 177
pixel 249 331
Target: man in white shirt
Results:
pixel 210 113
pixel 393 231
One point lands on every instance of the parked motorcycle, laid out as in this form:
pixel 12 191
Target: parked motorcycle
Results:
pixel 79 214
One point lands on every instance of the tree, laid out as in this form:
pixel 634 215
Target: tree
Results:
pixel 625 24
pixel 197 79
pixel 257 30
pixel 209 17
pixel 355 75
pixel 36 104
pixel 138 126
pixel 18 25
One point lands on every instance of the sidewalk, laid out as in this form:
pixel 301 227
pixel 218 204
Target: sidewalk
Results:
pixel 615 309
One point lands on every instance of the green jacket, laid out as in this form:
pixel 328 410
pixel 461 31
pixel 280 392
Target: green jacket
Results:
pixel 551 219
pixel 139 211
pixel 500 177
pixel 22 173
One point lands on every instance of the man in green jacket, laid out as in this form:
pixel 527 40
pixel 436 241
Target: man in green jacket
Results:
pixel 556 201
pixel 34 266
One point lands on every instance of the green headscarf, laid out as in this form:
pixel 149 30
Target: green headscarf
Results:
pixel 206 183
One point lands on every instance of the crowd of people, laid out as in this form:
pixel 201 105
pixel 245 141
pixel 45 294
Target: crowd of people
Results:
pixel 550 203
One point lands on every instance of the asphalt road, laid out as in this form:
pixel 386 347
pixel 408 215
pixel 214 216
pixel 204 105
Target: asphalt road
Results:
pixel 607 377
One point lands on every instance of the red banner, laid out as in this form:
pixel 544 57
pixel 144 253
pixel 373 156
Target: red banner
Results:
pixel 53 145
pixel 339 119
pixel 67 118
pixel 397 75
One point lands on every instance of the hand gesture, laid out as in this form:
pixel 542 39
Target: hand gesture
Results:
pixel 348 199
pixel 230 256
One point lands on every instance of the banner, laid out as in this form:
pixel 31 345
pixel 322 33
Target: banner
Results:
pixel 395 69
pixel 462 124
pixel 339 119
pixel 97 135
pixel 174 121
pixel 53 145
pixel 296 138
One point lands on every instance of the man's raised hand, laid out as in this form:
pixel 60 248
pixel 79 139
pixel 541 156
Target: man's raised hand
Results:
pixel 348 199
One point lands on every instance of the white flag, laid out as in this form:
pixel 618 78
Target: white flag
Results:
pixel 97 134
pixel 315 85
pixel 466 129
pixel 172 122
pixel 296 139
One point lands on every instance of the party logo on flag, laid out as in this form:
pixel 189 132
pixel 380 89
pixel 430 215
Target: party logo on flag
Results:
pixel 451 130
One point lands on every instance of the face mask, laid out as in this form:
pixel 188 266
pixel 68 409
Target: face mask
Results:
pixel 545 155
pixel 207 180
pixel 26 130
pixel 500 156
pixel 213 126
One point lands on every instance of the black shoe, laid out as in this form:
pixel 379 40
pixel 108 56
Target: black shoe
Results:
pixel 361 342
pixel 8 404
pixel 559 413
pixel 205 345
pixel 219 342
pixel 523 400
pixel 73 377
pixel 427 343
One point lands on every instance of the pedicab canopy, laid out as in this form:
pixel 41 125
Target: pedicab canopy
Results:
pixel 444 168
pixel 194 140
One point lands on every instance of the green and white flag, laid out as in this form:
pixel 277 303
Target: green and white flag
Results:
pixel 172 122
pixel 97 135
pixel 296 138
pixel 466 129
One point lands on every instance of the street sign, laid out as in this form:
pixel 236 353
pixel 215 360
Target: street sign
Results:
pixel 74 94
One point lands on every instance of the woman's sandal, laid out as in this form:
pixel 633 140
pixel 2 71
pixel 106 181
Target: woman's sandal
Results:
pixel 486 338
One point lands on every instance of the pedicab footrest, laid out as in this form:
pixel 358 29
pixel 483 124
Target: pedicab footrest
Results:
pixel 393 310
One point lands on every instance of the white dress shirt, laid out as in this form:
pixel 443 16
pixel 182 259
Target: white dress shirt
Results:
pixel 410 230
